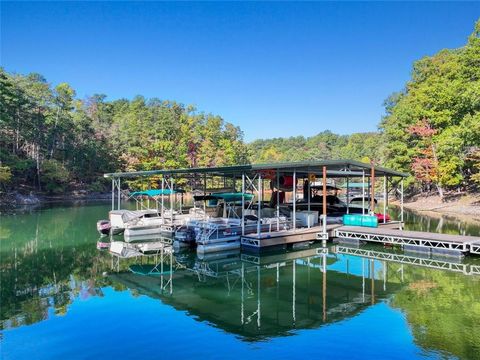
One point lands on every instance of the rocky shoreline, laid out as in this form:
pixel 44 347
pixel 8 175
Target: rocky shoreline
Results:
pixel 15 201
pixel 462 206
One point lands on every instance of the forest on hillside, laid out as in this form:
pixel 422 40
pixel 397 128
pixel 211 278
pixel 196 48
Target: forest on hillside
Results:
pixel 431 128
pixel 52 141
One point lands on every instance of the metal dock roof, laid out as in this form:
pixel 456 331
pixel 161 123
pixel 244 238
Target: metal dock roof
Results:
pixel 335 168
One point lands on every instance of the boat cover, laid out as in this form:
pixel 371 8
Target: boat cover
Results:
pixel 157 192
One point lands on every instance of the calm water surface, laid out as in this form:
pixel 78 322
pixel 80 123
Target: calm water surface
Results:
pixel 61 298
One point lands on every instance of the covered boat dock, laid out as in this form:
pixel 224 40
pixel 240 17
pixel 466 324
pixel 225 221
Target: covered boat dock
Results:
pixel 269 184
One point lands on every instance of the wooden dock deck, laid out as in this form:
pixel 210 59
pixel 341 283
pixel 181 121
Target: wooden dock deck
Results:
pixel 286 237
pixel 389 233
pixel 412 240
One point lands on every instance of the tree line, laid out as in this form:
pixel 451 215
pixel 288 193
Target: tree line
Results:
pixel 431 128
pixel 50 140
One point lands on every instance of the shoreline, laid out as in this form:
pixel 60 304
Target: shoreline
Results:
pixel 464 207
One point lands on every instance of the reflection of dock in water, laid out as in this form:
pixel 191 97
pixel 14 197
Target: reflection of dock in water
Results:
pixel 439 264
pixel 270 295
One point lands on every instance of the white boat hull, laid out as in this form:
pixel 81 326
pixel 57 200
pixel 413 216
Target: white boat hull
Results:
pixel 216 247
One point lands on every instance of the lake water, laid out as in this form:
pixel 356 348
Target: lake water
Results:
pixel 61 298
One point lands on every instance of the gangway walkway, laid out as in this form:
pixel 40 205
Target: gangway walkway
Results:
pixel 413 240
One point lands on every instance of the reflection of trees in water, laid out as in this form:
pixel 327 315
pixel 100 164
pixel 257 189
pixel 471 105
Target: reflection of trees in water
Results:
pixel 47 259
pixel 442 224
pixel 443 310
pixel 49 278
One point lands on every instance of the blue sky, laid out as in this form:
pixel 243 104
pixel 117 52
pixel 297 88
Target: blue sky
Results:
pixel 274 69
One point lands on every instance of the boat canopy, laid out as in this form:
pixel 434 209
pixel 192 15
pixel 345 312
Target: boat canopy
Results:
pixel 230 197
pixel 156 192
pixel 227 197
pixel 354 185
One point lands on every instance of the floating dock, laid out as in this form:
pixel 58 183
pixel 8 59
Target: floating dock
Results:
pixel 286 237
pixel 414 241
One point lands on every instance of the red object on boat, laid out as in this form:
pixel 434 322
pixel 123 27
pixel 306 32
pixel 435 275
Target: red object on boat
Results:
pixel 285 181
pixel 103 245
pixel 103 227
pixel 382 217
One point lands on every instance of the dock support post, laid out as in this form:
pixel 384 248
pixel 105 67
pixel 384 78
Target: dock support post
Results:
pixel 119 194
pixel 171 200
pixel 384 199
pixel 259 211
pixel 348 194
pixel 324 210
pixel 308 197
pixel 401 205
pixel 113 193
pixel 368 194
pixel 204 194
pixel 363 192
pixel 372 199
pixel 294 199
pixel 243 209
pixel 163 188
pixel 278 200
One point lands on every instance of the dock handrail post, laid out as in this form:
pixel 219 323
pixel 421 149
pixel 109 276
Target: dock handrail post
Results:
pixel 294 199
pixel 243 207
pixel 363 192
